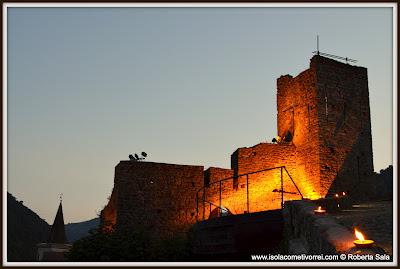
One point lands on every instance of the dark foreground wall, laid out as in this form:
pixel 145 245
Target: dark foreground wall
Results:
pixel 237 237
pixel 308 233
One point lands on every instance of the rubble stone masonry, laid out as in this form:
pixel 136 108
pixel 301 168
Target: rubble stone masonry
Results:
pixel 345 141
pixel 157 197
pixel 324 142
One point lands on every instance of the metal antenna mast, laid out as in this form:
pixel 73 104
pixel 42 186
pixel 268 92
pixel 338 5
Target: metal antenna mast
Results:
pixel 331 55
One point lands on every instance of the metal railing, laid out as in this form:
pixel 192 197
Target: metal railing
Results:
pixel 233 178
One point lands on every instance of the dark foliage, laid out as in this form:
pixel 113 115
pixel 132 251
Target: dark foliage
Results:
pixel 385 183
pixel 377 187
pixel 25 229
pixel 133 246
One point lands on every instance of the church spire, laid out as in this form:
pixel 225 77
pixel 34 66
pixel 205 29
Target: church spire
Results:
pixel 57 233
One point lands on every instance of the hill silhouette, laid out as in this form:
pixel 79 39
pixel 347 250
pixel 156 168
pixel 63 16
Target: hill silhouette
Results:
pixel 78 230
pixel 25 229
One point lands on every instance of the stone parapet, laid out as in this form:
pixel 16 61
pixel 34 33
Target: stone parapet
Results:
pixel 307 233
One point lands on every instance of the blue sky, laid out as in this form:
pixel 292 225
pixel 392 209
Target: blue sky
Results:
pixel 89 86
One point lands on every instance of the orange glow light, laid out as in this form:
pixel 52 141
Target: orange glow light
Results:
pixel 359 235
pixel 319 211
pixel 361 241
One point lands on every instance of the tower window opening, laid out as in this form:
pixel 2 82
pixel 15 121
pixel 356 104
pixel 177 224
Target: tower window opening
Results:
pixel 288 137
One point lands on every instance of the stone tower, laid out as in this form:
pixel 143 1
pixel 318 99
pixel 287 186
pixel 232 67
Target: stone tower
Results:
pixel 325 113
pixel 324 144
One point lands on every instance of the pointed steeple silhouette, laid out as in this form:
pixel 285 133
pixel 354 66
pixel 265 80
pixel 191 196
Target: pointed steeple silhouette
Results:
pixel 57 233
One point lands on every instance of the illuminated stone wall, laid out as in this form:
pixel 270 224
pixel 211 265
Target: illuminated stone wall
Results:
pixel 211 194
pixel 264 186
pixel 108 215
pixel 325 110
pixel 214 174
pixel 324 141
pixel 297 106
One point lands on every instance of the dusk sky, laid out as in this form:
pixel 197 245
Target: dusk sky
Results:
pixel 89 86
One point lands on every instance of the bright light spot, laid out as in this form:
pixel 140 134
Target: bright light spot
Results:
pixel 359 235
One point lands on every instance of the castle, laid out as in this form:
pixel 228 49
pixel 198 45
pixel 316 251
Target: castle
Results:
pixel 323 146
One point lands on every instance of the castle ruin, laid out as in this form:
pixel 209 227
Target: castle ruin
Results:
pixel 323 146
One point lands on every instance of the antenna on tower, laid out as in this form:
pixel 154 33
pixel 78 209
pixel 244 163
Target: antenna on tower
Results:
pixel 61 195
pixel 331 55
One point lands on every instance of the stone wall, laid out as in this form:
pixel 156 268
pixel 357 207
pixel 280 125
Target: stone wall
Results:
pixel 345 143
pixel 263 186
pixel 108 216
pixel 324 142
pixel 307 233
pixel 157 197
pixel 297 113
pixel 324 131
pixel 255 192
pixel 209 198
pixel 213 174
